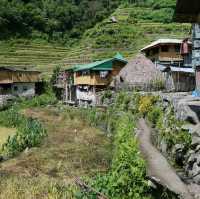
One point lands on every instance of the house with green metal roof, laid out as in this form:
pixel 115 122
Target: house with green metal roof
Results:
pixel 84 81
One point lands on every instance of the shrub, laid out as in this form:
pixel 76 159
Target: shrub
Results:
pixel 30 132
pixel 127 177
pixel 146 104
pixel 154 115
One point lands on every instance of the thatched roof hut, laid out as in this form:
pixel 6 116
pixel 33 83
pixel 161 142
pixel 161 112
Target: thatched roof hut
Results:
pixel 140 73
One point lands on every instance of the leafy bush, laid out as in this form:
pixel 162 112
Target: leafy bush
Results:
pixel 146 104
pixel 30 132
pixel 154 115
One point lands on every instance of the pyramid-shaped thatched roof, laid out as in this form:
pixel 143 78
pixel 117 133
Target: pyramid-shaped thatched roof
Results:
pixel 139 71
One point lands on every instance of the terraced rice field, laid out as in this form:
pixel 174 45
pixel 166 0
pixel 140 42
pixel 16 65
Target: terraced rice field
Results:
pixel 102 41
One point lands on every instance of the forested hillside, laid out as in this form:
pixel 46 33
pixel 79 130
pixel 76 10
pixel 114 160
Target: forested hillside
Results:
pixel 64 19
pixel 83 31
pixel 50 19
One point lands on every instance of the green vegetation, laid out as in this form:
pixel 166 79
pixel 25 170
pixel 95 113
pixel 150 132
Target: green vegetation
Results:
pixel 70 150
pixel 51 20
pixel 127 176
pixel 112 166
pixel 5 133
pixel 135 29
pixel 29 132
pixel 168 127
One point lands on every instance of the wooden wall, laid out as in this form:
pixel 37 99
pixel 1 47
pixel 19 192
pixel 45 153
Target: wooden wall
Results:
pixel 180 82
pixel 94 77
pixel 170 55
pixel 7 77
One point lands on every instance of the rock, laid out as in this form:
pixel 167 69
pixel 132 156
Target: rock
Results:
pixel 195 131
pixel 178 147
pixel 179 158
pixel 192 158
pixel 196 171
pixel 26 151
pixel 189 164
pixel 195 141
pixel 163 147
pixel 197 149
pixel 151 184
pixel 188 127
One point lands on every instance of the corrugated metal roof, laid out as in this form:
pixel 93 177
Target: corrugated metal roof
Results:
pixel 99 65
pixel 163 41
pixel 182 69
pixel 13 69
pixel 161 67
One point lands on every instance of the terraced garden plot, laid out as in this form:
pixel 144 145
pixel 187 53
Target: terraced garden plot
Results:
pixel 72 149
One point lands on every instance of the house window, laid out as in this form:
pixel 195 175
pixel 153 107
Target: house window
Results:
pixel 85 73
pixel 155 51
pixel 165 48
pixel 25 88
pixel 15 88
pixel 103 74
pixel 177 48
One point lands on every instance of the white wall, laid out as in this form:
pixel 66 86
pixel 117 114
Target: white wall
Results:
pixel 85 95
pixel 23 89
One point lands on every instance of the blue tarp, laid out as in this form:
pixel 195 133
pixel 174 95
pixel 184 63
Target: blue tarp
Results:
pixel 196 93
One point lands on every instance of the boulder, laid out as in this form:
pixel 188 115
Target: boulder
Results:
pixel 197 149
pixel 195 141
pixel 195 130
pixel 196 173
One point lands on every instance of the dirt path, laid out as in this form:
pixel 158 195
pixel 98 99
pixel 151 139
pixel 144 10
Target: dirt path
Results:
pixel 158 167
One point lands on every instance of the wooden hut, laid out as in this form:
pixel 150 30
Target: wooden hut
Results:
pixel 83 82
pixel 18 82
pixel 173 57
pixel 168 51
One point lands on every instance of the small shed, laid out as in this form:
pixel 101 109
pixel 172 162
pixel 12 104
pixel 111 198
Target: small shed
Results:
pixel 180 79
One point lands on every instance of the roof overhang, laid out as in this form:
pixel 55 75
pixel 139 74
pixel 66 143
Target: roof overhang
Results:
pixel 12 69
pixel 187 11
pixel 161 42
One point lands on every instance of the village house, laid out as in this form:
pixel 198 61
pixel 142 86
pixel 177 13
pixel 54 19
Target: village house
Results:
pixel 189 12
pixel 17 83
pixel 82 83
pixel 174 58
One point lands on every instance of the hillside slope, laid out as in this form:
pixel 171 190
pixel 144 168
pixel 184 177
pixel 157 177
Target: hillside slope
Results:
pixel 136 27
